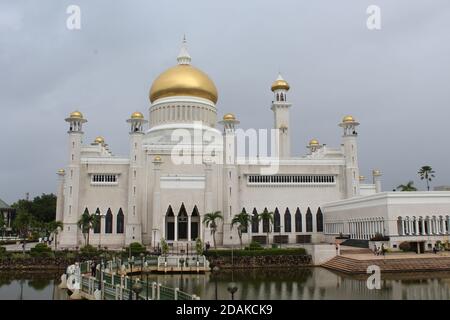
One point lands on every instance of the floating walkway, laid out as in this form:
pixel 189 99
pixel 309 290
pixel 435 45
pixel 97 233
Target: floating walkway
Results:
pixel 109 284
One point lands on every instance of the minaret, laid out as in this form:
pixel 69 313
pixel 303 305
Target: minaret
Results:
pixel 157 216
pixel 280 108
pixel 351 156
pixel 134 221
pixel 60 195
pixel 69 236
pixel 377 180
pixel 230 178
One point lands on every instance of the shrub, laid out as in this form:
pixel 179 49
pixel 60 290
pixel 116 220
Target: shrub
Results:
pixel 41 250
pixel 136 248
pixel 254 246
pixel 405 246
pixel 89 251
pixel 261 252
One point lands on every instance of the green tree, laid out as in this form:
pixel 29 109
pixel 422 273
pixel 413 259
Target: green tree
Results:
pixel 86 223
pixel 55 227
pixel 267 216
pixel 210 220
pixel 42 208
pixel 407 187
pixel 242 220
pixel 23 224
pixel 426 173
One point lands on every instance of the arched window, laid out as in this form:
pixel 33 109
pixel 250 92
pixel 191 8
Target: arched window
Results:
pixel 266 223
pixel 255 221
pixel 309 222
pixel 276 221
pixel 319 220
pixel 182 223
pixel 195 223
pixel 108 221
pixel 170 224
pixel 298 220
pixel 278 97
pixel 282 97
pixel 120 221
pixel 97 221
pixel 287 221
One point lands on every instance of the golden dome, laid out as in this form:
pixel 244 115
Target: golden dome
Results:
pixel 157 159
pixel 99 140
pixel 76 114
pixel 229 117
pixel 280 83
pixel 314 142
pixel 61 171
pixel 348 119
pixel 137 115
pixel 183 80
pixel 362 178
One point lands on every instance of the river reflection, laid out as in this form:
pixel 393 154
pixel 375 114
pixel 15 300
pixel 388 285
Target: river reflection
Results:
pixel 30 286
pixel 267 284
pixel 309 284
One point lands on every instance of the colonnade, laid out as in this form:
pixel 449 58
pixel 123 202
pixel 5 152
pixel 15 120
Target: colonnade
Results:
pixel 428 225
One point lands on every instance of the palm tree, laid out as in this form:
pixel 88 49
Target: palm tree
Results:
pixel 426 173
pixel 210 220
pixel 266 216
pixel 407 187
pixel 86 223
pixel 243 221
pixel 54 227
pixel 23 223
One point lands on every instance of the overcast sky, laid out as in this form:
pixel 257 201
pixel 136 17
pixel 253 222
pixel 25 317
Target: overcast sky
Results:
pixel 395 81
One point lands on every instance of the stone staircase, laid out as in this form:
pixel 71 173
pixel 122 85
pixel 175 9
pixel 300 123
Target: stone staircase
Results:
pixel 354 266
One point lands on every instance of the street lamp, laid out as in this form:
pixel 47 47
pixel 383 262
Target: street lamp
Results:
pixel 137 288
pixel 232 288
pixel 130 262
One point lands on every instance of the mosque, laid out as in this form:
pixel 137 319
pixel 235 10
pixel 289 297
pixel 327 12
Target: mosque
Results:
pixel 184 163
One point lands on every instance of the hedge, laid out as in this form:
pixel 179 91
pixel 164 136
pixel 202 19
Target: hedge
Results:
pixel 262 252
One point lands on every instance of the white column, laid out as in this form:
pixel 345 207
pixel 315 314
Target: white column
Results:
pixel 416 221
pixel 423 226
pixel 403 227
pixel 411 226
pixel 176 228
pixel 189 228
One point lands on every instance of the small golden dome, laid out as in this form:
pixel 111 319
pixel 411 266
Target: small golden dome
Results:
pixel 362 178
pixel 157 159
pixel 376 173
pixel 347 119
pixel 99 140
pixel 280 84
pixel 76 114
pixel 183 80
pixel 61 171
pixel 314 142
pixel 137 115
pixel 229 117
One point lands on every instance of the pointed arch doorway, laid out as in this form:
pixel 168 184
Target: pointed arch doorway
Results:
pixel 182 224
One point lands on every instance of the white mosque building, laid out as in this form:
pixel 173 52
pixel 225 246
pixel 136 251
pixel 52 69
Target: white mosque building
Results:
pixel 186 164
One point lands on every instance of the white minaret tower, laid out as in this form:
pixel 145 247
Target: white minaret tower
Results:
pixel 351 156
pixel 230 178
pixel 134 221
pixel 280 108
pixel 69 236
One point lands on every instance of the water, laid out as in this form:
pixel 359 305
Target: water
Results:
pixel 30 286
pixel 294 284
